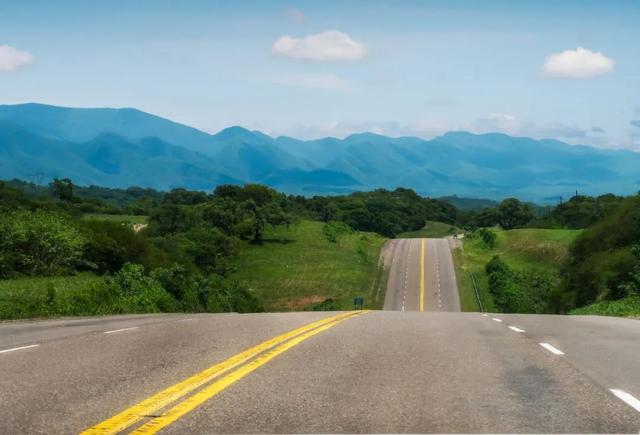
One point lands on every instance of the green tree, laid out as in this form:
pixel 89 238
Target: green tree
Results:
pixel 512 214
pixel 63 189
pixel 172 218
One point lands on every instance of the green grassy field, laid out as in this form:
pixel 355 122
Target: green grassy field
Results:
pixel 534 249
pixel 46 296
pixel 431 230
pixel 298 267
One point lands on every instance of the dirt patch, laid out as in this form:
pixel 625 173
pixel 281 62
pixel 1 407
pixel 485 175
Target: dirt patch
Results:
pixel 139 227
pixel 304 302
pixel 387 252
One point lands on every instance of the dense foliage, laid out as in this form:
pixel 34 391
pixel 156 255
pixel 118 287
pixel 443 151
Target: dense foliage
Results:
pixel 181 261
pixel 604 260
pixel 382 211
pixel 518 291
pixel 183 257
pixel 39 243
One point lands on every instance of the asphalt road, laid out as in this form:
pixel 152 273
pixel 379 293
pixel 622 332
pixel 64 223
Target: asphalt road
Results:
pixel 382 371
pixel 422 277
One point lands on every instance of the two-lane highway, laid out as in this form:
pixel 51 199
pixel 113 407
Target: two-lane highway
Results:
pixel 398 370
pixel 321 372
pixel 422 277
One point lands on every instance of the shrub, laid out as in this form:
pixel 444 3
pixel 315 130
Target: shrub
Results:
pixel 39 243
pixel 112 244
pixel 518 292
pixel 333 230
pixel 224 295
pixel 182 285
pixel 137 292
pixel 488 237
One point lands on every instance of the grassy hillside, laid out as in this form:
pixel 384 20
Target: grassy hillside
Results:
pixel 298 268
pixel 431 229
pixel 536 250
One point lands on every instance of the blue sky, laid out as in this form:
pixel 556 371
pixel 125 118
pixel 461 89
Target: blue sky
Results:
pixel 568 70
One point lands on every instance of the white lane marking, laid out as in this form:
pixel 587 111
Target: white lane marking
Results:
pixel 13 349
pixel 515 328
pixel 626 398
pixel 121 330
pixel 495 319
pixel 551 349
pixel 485 315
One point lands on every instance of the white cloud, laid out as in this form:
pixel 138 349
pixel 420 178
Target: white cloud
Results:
pixel 330 45
pixel 501 122
pixel 318 81
pixel 510 124
pixel 577 64
pixel 341 129
pixel 11 58
pixel 491 123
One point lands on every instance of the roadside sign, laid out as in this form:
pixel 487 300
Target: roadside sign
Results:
pixel 358 303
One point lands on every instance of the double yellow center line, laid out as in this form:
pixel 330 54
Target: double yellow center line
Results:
pixel 234 368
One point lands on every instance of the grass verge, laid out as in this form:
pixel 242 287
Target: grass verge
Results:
pixel 297 268
pixel 626 307
pixel 538 250
pixel 46 296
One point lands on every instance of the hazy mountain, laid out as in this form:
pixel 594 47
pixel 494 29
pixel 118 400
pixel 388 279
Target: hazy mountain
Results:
pixel 122 147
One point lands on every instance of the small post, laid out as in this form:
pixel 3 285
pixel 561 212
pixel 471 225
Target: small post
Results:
pixel 475 288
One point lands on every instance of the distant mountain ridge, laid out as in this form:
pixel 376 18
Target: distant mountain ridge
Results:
pixel 123 147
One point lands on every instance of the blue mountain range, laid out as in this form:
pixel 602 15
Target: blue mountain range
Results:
pixel 126 147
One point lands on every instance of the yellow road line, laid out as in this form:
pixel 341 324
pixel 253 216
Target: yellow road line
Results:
pixel 209 391
pixel 422 276
pixel 161 399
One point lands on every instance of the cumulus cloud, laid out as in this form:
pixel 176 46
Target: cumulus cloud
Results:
pixel 597 129
pixel 330 45
pixel 635 123
pixel 11 58
pixel 577 64
pixel 318 81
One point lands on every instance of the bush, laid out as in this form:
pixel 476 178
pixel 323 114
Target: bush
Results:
pixel 111 244
pixel 137 292
pixel 39 243
pixel 182 285
pixel 488 237
pixel 518 292
pixel 225 295
pixel 333 230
